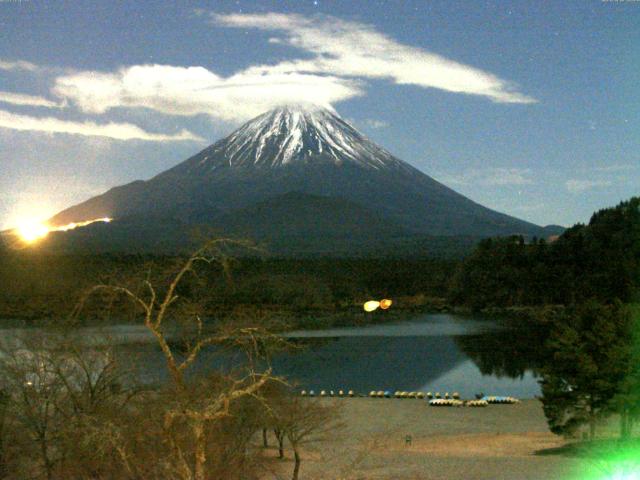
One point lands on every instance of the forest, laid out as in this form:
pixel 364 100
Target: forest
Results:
pixel 598 261
pixel 45 287
pixel 582 332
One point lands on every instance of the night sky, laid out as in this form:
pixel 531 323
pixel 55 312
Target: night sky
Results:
pixel 531 108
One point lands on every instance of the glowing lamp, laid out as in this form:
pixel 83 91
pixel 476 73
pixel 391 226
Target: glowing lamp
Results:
pixel 371 305
pixel 385 303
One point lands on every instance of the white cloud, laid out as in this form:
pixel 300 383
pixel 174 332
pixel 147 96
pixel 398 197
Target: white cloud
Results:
pixel 118 131
pixel 527 208
pixel 357 50
pixel 616 167
pixel 490 177
pixel 508 176
pixel 373 123
pixel 196 90
pixel 579 186
pixel 344 55
pixel 18 65
pixel 28 100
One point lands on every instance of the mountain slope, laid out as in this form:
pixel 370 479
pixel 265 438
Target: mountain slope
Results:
pixel 304 215
pixel 307 150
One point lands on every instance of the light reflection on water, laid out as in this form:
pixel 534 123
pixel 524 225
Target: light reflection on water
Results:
pixel 422 326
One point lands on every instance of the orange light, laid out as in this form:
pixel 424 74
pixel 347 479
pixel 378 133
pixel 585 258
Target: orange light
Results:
pixel 73 225
pixel 385 303
pixel 30 231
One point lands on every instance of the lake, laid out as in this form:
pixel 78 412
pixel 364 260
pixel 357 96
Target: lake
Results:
pixel 426 352
pixel 432 352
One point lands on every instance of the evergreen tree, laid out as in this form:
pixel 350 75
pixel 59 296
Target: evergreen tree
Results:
pixel 587 364
pixel 627 401
pixel 598 261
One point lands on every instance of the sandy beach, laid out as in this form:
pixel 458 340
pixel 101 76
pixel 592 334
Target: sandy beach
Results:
pixel 495 442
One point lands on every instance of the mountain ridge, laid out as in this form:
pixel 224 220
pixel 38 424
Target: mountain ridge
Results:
pixel 310 151
pixel 291 134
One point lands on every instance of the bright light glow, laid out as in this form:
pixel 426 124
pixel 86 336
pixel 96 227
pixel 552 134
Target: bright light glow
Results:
pixel 385 303
pixel 612 460
pixel 30 231
pixel 371 305
pixel 626 476
pixel 73 225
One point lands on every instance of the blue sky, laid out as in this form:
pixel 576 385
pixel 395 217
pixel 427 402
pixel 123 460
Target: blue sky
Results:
pixel 531 108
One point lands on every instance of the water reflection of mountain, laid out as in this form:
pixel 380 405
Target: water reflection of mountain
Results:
pixel 506 353
pixel 359 363
pixel 366 363
pixel 434 352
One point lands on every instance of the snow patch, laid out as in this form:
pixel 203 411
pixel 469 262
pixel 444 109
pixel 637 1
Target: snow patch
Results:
pixel 291 134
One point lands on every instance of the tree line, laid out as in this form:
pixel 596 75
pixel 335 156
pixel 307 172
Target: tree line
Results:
pixel 585 287
pixel 39 286
pixel 598 261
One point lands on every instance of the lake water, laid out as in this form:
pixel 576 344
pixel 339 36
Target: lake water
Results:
pixel 428 352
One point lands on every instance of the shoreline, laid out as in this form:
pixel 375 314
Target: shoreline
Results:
pixel 390 440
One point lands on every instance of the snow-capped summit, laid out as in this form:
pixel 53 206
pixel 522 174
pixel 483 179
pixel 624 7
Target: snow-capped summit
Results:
pixel 294 172
pixel 296 134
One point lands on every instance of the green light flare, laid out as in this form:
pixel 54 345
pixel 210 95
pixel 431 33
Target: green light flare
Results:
pixel 611 461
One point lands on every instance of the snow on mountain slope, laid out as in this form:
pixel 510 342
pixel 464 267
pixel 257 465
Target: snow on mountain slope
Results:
pixel 308 150
pixel 297 134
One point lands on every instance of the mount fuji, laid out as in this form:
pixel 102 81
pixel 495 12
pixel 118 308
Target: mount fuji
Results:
pixel 293 174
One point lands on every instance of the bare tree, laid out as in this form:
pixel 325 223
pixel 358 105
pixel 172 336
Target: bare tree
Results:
pixel 276 396
pixel 309 421
pixel 155 306
pixel 55 384
pixel 80 415
pixel 299 420
pixel 191 410
pixel 29 374
pixel 4 402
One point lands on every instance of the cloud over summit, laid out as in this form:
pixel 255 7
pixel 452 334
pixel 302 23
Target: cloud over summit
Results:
pixel 189 91
pixel 336 60
pixel 353 49
pixel 339 57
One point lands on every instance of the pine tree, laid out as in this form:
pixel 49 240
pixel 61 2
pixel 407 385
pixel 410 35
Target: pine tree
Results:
pixel 627 401
pixel 588 361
